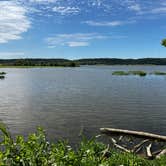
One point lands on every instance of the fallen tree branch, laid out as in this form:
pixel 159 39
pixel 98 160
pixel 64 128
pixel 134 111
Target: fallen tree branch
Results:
pixel 106 153
pixel 148 150
pixel 119 146
pixel 138 146
pixel 110 131
pixel 163 152
pixel 157 152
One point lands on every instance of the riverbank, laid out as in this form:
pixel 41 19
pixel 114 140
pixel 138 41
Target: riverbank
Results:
pixel 7 66
pixel 36 150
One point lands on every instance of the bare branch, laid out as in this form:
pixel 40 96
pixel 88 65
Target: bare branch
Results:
pixel 133 133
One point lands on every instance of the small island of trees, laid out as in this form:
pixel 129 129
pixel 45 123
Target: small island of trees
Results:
pixel 163 42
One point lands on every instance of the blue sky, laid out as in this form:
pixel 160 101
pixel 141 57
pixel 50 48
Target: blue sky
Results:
pixel 82 28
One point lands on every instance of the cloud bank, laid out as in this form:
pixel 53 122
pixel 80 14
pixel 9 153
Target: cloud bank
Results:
pixel 73 40
pixel 13 21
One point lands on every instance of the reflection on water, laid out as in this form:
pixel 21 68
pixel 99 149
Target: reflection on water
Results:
pixel 65 100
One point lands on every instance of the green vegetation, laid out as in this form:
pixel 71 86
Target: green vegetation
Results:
pixel 2 73
pixel 163 42
pixel 37 151
pixel 140 73
pixel 24 63
pixel 125 73
pixel 120 73
pixel 75 63
pixel 159 73
pixel 116 61
pixel 2 76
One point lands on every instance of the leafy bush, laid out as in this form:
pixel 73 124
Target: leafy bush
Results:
pixel 2 73
pixel 2 77
pixel 125 73
pixel 159 73
pixel 163 42
pixel 120 73
pixel 140 73
pixel 37 151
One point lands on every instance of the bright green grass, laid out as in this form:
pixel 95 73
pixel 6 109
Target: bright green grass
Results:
pixel 36 151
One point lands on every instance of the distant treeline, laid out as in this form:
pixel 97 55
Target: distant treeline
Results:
pixel 38 62
pixel 74 63
pixel 114 61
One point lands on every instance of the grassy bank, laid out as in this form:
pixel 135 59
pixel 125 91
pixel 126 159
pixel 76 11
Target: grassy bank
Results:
pixel 36 151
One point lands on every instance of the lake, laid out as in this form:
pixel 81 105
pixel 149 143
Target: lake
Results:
pixel 65 101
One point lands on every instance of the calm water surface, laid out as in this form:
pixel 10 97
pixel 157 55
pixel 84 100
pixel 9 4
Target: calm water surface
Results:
pixel 67 100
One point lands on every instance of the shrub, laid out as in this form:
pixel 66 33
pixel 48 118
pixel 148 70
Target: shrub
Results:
pixel 159 73
pixel 120 73
pixel 2 73
pixel 140 73
pixel 37 151
pixel 2 77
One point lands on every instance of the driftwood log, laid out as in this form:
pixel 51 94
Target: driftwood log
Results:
pixel 133 133
pixel 148 137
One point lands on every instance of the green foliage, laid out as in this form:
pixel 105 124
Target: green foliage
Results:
pixel 36 151
pixel 159 73
pixel 163 42
pixel 120 73
pixel 69 63
pixel 140 73
pixel 38 63
pixel 125 73
pixel 117 61
pixel 2 76
pixel 2 73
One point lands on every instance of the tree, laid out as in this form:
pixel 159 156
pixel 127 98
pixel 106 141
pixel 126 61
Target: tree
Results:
pixel 163 42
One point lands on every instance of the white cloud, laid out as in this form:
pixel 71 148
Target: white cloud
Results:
pixel 135 7
pixel 43 1
pixel 73 40
pixel 108 23
pixel 11 54
pixel 13 21
pixel 77 44
pixel 159 10
pixel 66 10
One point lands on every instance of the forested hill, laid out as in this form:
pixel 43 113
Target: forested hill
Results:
pixel 73 63
pixel 37 62
pixel 114 61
